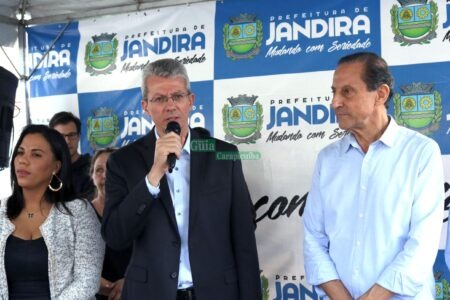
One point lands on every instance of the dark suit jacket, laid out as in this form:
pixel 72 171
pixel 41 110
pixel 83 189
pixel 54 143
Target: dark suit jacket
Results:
pixel 222 247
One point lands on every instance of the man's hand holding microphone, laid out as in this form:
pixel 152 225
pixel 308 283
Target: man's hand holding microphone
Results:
pixel 167 151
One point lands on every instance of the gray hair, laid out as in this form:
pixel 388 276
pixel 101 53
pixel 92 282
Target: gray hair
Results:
pixel 167 68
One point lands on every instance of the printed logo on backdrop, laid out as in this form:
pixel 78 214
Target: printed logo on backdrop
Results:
pixel 328 30
pixel 101 53
pixel 442 286
pixel 447 8
pixel 242 121
pixel 102 128
pixel 52 62
pixel 288 38
pixel 418 107
pixel 414 22
pixel 446 25
pixel 56 63
pixel 135 125
pixel 290 113
pixel 264 286
pixel 180 41
pixel 242 38
pixel 293 287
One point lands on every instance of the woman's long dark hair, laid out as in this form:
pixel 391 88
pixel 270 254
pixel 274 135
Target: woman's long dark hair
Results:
pixel 61 152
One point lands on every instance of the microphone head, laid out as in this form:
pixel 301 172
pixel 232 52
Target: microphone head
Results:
pixel 173 126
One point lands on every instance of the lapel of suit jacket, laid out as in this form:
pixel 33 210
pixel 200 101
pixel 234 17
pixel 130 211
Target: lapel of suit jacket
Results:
pixel 165 198
pixel 197 175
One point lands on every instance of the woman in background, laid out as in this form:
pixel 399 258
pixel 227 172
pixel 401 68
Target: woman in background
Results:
pixel 115 262
pixel 50 242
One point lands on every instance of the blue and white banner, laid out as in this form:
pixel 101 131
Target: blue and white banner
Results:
pixel 56 72
pixel 291 37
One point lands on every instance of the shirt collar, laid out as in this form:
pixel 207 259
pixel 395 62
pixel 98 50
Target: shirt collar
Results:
pixel 388 137
pixel 187 144
pixel 348 142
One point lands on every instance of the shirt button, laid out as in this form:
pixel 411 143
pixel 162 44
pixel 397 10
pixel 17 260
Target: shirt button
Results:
pixel 363 187
pixel 179 214
pixel 178 191
pixel 176 168
pixel 173 275
pixel 361 215
pixel 358 243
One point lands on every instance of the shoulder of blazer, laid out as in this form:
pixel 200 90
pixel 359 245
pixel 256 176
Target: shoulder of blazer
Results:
pixel 3 202
pixel 80 211
pixel 6 226
pixel 138 146
pixel 202 133
pixel 225 146
pixel 60 223
pixel 78 206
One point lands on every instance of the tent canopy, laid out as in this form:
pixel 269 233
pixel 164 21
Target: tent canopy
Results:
pixel 15 14
pixel 49 11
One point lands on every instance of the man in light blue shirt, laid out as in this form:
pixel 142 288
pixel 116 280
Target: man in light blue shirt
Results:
pixel 374 213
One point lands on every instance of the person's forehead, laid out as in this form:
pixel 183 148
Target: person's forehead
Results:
pixel 66 128
pixel 35 141
pixel 348 73
pixel 156 83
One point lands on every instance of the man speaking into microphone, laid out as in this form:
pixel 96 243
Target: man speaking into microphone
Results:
pixel 188 216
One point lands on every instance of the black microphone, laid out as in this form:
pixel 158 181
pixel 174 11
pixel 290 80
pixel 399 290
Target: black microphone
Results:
pixel 172 158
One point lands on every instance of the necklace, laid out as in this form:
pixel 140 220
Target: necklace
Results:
pixel 30 215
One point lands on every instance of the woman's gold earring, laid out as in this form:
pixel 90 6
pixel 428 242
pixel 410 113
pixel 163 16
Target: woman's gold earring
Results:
pixel 60 183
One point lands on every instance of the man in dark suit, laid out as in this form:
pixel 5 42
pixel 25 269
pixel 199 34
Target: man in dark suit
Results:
pixel 192 228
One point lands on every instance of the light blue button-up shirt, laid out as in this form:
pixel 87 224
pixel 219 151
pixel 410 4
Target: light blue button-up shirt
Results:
pixel 376 217
pixel 178 182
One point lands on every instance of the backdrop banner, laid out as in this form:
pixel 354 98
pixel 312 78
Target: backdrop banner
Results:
pixel 263 64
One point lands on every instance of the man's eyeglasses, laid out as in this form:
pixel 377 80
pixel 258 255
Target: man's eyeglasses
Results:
pixel 71 136
pixel 176 97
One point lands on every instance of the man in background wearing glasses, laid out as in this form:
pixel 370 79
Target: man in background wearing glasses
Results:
pixel 70 127
pixel 192 228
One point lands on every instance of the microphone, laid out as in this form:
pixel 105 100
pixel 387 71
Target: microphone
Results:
pixel 172 158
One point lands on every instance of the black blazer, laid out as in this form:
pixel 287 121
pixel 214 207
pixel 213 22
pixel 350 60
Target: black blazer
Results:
pixel 222 247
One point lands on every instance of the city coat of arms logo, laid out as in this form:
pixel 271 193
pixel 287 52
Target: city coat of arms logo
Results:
pixel 418 107
pixel 442 286
pixel 414 22
pixel 264 286
pixel 242 121
pixel 242 38
pixel 103 128
pixel 100 55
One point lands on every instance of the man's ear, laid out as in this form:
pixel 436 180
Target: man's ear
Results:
pixel 383 93
pixel 144 105
pixel 191 100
